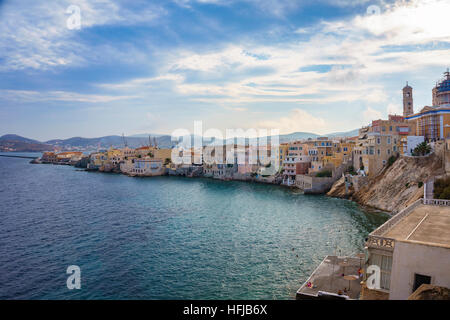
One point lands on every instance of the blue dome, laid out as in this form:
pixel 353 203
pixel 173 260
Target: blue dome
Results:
pixel 444 86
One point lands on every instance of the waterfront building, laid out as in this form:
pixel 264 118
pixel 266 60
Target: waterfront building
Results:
pixel 433 122
pixel 165 154
pixel 69 156
pixel 128 153
pixel 297 161
pixel 144 151
pixel 410 249
pixel 143 167
pixel 283 153
pixel 49 157
pixel 97 160
pixel 114 156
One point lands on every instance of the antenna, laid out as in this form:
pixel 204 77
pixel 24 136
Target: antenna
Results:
pixel 124 140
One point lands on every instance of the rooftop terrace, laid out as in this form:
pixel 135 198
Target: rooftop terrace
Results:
pixel 427 224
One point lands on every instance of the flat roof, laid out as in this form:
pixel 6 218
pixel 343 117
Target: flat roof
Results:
pixel 427 224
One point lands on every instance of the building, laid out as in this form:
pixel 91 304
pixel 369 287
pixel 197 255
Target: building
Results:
pixel 114 156
pixel 128 153
pixel 410 249
pixel 283 153
pixel 48 157
pixel 143 167
pixel 433 122
pixel 97 160
pixel 69 156
pixel 394 125
pixel 373 150
pixel 297 161
pixel 441 92
pixel 411 143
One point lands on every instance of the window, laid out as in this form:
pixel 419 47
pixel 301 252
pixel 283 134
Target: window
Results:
pixel 420 279
pixel 385 264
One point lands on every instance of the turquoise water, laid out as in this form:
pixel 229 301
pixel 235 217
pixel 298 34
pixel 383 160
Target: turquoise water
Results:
pixel 164 237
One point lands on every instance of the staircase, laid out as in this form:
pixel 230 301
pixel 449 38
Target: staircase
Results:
pixel 429 189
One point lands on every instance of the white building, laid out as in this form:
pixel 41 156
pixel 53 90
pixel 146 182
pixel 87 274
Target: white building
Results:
pixel 411 143
pixel 410 249
pixel 143 167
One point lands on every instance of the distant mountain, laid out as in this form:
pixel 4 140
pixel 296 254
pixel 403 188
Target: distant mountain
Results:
pixel 145 135
pixel 15 137
pixel 297 136
pixel 351 133
pixel 110 141
pixel 13 142
pixel 16 143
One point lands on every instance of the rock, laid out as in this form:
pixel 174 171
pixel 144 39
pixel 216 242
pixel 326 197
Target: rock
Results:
pixel 396 187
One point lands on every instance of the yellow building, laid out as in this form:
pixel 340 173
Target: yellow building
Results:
pixel 283 152
pixel 373 150
pixel 97 160
pixel 163 154
pixel 114 156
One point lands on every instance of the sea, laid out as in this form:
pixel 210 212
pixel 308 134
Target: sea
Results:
pixel 164 237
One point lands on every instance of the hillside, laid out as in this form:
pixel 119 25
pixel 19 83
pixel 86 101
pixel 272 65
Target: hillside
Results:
pixel 396 187
pixel 13 142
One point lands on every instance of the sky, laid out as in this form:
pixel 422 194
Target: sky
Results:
pixel 136 67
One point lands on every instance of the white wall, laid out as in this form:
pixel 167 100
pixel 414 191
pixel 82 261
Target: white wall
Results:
pixel 412 142
pixel 410 258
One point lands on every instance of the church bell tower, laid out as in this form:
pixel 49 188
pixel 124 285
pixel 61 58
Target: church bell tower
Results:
pixel 407 101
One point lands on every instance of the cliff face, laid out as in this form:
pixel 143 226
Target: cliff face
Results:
pixel 397 186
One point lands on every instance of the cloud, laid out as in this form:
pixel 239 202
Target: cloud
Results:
pixel 359 53
pixel 393 108
pixel 297 121
pixel 40 96
pixel 35 35
pixel 371 114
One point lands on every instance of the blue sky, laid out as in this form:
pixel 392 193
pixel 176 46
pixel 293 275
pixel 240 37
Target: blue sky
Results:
pixel 156 66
